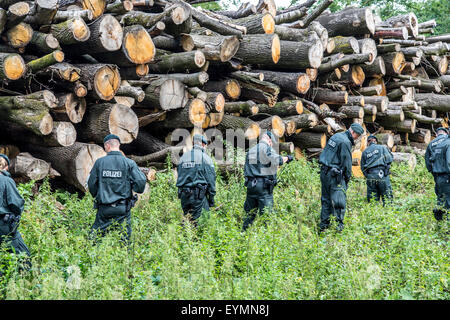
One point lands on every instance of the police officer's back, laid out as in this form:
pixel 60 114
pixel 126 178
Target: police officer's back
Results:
pixel 11 207
pixel 260 171
pixel 375 164
pixel 196 180
pixel 111 181
pixel 437 164
pixel 336 171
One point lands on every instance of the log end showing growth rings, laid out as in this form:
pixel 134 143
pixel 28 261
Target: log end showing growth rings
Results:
pixel 111 33
pixel 84 162
pixel 199 58
pixel 46 125
pixel 229 48
pixel 268 23
pixel 79 29
pixel 303 83
pixel 107 82
pixel 315 54
pixel 276 48
pixel 13 67
pixel 138 45
pixel 197 112
pixel 65 133
pixel 124 123
pixel 370 21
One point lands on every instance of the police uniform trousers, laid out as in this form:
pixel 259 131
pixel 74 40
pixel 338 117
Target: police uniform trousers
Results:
pixel 14 242
pixel 258 197
pixel 191 204
pixel 442 190
pixel 331 185
pixel 112 216
pixel 378 186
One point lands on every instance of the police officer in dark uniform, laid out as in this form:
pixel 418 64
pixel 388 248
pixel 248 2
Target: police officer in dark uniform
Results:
pixel 375 164
pixel 335 173
pixel 436 163
pixel 11 207
pixel 196 180
pixel 111 182
pixel 260 171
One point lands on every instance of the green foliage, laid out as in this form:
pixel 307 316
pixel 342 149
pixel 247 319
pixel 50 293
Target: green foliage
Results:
pixel 393 252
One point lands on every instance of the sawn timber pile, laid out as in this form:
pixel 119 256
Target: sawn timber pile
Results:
pixel 73 71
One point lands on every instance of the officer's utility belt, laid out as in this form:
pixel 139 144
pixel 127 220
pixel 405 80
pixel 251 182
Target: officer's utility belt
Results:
pixel 115 203
pixel 268 184
pixel 335 172
pixel 441 174
pixel 199 191
pixel 11 219
pixel 381 171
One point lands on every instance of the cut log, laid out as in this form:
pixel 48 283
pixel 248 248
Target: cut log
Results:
pixel 221 48
pixel 243 108
pixel 408 20
pixel 106 35
pixel 257 90
pixel 166 94
pixel 352 111
pixel 292 82
pixel 25 166
pixel 394 62
pixel 379 101
pixel 314 13
pixel 300 55
pixel 137 48
pixel 257 24
pixel 30 111
pixel 119 7
pixel 70 108
pixel 349 22
pixel 421 135
pixel 347 45
pixel 291 16
pixel 385 48
pixel 178 62
pixel 230 88
pixel 12 66
pixel 104 79
pixel 194 114
pixel 356 58
pixel 370 91
pixel 368 46
pixel 408 158
pixel 283 108
pixel 20 35
pixel 248 128
pixel 274 124
pixel 96 6
pixel 267 46
pixel 71 31
pixel 300 121
pixel 386 139
pixel 408 126
pixel 16 14
pixel 327 96
pixel 74 162
pixel 309 140
pixel 61 71
pixel 43 42
pixel 103 119
pixel 43 12
pixel 46 61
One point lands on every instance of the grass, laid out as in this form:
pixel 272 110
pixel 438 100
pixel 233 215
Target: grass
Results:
pixel 393 252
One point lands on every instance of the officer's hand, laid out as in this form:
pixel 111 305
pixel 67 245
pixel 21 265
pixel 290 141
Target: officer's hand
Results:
pixel 290 158
pixel 211 203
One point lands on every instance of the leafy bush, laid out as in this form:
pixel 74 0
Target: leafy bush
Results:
pixel 393 252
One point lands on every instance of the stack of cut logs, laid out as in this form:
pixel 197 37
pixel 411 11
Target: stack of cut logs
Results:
pixel 73 71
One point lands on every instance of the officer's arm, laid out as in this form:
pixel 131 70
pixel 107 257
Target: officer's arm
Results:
pixel 138 179
pixel 346 160
pixel 211 178
pixel 273 157
pixel 388 156
pixel 447 158
pixel 427 159
pixel 93 181
pixel 14 199
pixel 363 163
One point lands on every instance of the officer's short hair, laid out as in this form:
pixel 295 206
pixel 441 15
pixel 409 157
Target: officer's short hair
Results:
pixel 3 163
pixel 113 142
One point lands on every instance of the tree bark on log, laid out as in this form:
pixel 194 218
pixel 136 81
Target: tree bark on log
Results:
pixel 30 111
pixel 267 46
pixel 137 48
pixel 102 79
pixel 250 129
pixel 27 167
pixel 243 108
pixel 288 81
pixel 166 94
pixel 306 140
pixel 257 24
pixel 216 48
pixel 107 118
pixel 74 162
pixel 70 108
pixel 349 22
pixel 257 90
pixel 320 95
pixel 274 124
pixel 178 62
pixel 71 31
pixel 230 88
pixel 282 108
pixel 300 121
